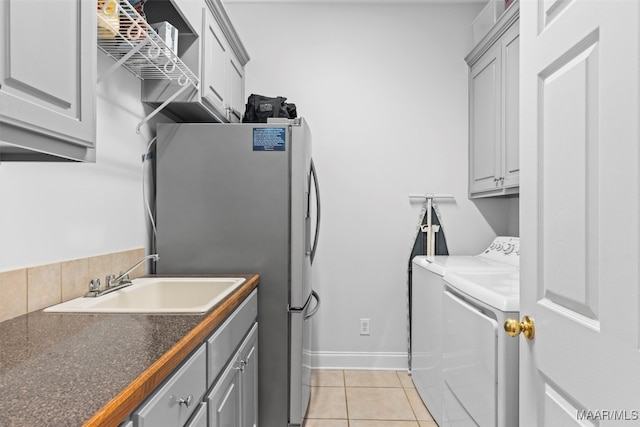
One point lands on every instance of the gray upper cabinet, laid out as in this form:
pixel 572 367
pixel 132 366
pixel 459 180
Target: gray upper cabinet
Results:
pixel 235 60
pixel 484 122
pixel 210 47
pixel 493 110
pixel 48 80
pixel 214 55
pixel 511 109
pixel 235 92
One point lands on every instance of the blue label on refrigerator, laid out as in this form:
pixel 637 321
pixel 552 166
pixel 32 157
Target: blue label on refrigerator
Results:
pixel 269 139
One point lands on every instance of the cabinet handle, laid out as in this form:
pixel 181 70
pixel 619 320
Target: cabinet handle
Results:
pixel 241 365
pixel 230 111
pixel 186 402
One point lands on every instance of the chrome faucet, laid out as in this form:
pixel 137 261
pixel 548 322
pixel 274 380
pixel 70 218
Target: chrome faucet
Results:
pixel 123 278
pixel 114 283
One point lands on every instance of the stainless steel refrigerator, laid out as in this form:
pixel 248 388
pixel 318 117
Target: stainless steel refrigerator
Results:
pixel 234 198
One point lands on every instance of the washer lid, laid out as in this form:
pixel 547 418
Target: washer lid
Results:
pixel 441 264
pixel 500 290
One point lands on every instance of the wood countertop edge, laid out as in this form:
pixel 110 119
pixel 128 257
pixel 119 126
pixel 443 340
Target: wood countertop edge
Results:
pixel 118 408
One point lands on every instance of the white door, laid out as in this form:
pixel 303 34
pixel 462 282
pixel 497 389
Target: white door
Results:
pixel 579 212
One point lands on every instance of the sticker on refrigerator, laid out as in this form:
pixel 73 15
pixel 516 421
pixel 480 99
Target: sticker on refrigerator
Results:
pixel 269 139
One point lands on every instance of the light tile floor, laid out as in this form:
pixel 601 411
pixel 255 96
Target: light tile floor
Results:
pixel 365 399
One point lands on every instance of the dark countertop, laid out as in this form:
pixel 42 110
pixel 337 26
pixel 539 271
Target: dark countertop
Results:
pixel 65 369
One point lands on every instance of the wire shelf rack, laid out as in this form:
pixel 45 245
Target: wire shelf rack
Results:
pixel 126 36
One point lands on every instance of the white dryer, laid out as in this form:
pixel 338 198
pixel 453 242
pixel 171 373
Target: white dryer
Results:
pixel 427 311
pixel 480 361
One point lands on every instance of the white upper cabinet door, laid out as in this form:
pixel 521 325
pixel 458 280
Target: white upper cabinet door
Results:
pixel 236 101
pixel 484 122
pixel 579 210
pixel 214 68
pixel 48 77
pixel 494 109
pixel 510 176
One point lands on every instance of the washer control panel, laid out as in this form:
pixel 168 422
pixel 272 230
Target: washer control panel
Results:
pixel 504 249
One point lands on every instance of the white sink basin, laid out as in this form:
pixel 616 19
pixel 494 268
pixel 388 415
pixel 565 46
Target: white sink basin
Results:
pixel 156 295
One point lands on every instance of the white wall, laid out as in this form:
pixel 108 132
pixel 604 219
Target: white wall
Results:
pixel 384 88
pixel 53 212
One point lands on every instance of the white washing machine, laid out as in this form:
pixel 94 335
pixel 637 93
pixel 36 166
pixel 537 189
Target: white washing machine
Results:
pixel 480 361
pixel 427 311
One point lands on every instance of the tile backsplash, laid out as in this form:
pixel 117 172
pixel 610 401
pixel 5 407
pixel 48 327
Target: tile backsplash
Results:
pixel 29 289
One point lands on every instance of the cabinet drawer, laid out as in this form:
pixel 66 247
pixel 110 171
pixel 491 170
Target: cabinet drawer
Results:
pixel 163 408
pixel 224 342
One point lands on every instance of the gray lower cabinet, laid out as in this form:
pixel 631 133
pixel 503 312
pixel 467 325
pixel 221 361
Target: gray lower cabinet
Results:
pixel 224 400
pixel 175 401
pixel 249 380
pixel 48 81
pixel 233 401
pixel 200 417
pixel 217 385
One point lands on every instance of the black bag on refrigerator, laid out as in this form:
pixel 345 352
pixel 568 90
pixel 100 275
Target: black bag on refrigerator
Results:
pixel 260 108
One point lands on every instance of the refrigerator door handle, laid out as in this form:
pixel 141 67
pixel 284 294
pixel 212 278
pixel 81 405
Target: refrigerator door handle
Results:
pixel 314 174
pixel 313 312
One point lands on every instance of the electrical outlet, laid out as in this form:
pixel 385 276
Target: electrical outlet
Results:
pixel 365 327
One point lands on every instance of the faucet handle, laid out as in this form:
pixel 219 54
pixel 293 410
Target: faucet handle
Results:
pixel 94 285
pixel 109 279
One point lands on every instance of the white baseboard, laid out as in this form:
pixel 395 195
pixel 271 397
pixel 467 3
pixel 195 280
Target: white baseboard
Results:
pixel 359 360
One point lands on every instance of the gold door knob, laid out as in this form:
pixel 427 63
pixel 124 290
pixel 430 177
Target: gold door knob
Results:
pixel 513 327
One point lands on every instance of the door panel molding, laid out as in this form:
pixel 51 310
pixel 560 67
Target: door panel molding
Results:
pixel 569 154
pixel 549 10
pixel 558 406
